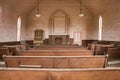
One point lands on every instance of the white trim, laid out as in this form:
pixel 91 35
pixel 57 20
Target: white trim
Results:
pixel 100 28
pixel 18 28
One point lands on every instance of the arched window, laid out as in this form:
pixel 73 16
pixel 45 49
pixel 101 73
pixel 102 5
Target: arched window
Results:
pixel 0 14
pixel 18 28
pixel 59 23
pixel 100 28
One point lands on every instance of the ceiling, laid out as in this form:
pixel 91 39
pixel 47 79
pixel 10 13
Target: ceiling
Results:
pixel 24 6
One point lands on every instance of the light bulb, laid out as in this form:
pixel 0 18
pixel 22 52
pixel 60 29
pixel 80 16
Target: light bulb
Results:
pixel 81 14
pixel 38 15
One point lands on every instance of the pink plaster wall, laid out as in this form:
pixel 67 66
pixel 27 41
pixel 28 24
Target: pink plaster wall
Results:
pixel 111 22
pixel 8 23
pixel 77 24
pixel 88 25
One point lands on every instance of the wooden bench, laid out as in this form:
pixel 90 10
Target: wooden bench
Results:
pixel 114 53
pixel 3 51
pixel 101 49
pixel 18 46
pixel 57 61
pixel 59 74
pixel 56 53
pixel 58 48
pixel 12 50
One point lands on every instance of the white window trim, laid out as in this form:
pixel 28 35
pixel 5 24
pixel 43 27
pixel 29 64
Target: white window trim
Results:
pixel 100 28
pixel 18 28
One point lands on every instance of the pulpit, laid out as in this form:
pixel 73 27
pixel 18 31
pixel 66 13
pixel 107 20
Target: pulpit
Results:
pixel 58 39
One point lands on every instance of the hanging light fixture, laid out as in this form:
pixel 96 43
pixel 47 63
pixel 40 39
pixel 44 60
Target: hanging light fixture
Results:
pixel 81 11
pixel 38 10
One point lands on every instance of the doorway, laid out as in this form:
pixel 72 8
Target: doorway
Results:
pixel 78 38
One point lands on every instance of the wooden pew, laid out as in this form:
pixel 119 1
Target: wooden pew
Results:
pixel 3 51
pixel 12 50
pixel 57 61
pixel 20 47
pixel 101 49
pixel 37 53
pixel 114 53
pixel 91 46
pixel 58 48
pixel 59 74
pixel 73 53
pixel 56 53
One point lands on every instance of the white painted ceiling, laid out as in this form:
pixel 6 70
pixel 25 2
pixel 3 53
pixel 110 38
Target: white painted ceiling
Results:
pixel 24 6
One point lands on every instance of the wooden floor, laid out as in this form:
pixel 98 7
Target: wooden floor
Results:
pixel 2 64
pixel 114 63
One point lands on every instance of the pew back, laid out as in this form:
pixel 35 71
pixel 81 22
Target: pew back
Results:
pixel 102 49
pixel 56 53
pixel 58 48
pixel 57 61
pixel 114 53
pixel 3 51
pixel 58 74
